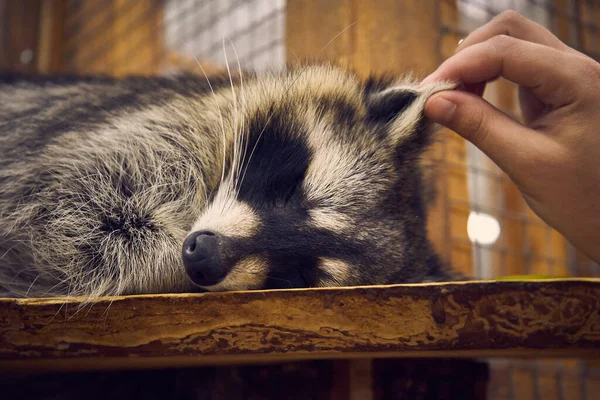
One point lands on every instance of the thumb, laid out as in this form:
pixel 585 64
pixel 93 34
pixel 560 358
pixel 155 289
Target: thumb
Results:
pixel 504 140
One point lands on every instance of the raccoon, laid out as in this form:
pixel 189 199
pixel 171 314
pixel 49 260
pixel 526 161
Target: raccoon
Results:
pixel 308 177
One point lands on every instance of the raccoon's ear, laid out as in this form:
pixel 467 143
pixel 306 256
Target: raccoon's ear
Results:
pixel 400 108
pixel 386 105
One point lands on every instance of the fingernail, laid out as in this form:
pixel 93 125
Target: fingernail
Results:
pixel 458 45
pixel 441 110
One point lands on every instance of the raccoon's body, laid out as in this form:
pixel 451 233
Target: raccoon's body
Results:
pixel 306 178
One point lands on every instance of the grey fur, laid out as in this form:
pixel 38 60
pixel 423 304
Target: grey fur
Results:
pixel 101 180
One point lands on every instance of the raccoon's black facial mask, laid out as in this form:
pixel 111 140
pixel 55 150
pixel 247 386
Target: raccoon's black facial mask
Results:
pixel 330 194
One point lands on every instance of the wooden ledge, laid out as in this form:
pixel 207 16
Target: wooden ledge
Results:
pixel 540 318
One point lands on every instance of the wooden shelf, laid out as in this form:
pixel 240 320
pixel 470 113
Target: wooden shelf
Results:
pixel 542 318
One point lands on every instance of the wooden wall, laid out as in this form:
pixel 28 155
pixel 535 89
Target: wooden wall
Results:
pixel 108 37
pixel 31 36
pixel 114 37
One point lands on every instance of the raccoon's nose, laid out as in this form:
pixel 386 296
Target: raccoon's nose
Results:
pixel 201 258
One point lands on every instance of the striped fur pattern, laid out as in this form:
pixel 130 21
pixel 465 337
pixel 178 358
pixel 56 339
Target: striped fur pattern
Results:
pixel 312 176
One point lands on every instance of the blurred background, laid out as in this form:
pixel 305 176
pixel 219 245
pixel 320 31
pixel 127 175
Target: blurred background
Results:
pixel 479 222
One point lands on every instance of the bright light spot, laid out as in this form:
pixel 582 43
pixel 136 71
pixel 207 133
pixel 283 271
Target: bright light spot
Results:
pixel 483 228
pixel 26 56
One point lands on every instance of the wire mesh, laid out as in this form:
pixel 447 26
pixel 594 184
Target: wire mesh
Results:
pixel 159 36
pixel 255 29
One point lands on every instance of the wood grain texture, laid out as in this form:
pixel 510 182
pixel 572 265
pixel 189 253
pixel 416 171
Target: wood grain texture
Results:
pixel 51 36
pixel 115 37
pixel 525 318
pixel 19 32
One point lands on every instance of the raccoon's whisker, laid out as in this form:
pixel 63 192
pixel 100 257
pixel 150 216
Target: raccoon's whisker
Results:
pixel 80 307
pixel 55 314
pixel 15 276
pixel 89 304
pixel 244 148
pixel 61 282
pixel 237 136
pixel 318 54
pixel 220 119
pixel 32 283
pixel 8 251
pixel 295 55
pixel 231 187
pixel 152 188
pixel 105 312
pixel 90 309
pixel 279 279
pixel 335 37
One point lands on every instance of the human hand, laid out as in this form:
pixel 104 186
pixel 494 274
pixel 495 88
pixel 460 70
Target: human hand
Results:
pixel 554 155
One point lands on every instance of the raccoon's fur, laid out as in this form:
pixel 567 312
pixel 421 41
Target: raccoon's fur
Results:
pixel 308 178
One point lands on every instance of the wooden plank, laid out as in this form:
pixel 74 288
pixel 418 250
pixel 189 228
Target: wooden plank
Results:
pixel 525 318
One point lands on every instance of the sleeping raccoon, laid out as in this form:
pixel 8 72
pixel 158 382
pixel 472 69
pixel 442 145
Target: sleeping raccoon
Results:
pixel 305 178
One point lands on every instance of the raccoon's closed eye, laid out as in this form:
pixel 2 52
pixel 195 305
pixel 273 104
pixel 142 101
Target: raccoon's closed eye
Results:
pixel 293 188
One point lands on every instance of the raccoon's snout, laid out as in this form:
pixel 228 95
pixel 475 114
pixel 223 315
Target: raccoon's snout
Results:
pixel 201 258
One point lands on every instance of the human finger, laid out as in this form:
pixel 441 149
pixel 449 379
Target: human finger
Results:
pixel 513 24
pixel 537 67
pixel 510 144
